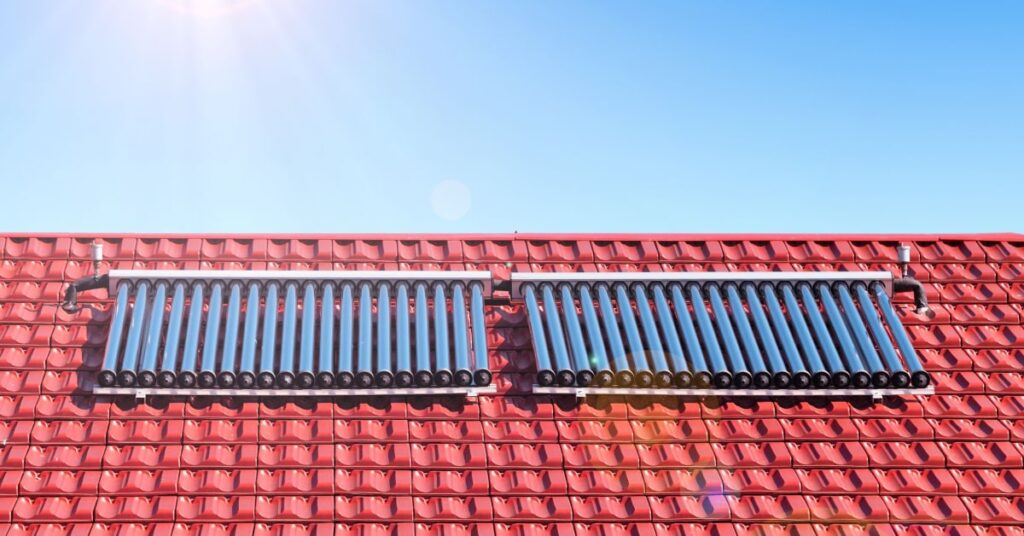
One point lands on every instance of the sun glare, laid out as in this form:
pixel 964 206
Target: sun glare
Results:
pixel 208 8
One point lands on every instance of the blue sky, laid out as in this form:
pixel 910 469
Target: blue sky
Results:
pixel 468 116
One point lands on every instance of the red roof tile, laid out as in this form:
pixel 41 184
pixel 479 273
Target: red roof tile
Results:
pixel 515 463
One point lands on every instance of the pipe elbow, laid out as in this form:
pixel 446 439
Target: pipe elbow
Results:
pixel 909 284
pixel 70 302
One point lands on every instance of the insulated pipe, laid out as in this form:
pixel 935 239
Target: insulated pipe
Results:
pixel 644 374
pixel 424 375
pixel 307 343
pixel 723 377
pixel 265 379
pixel 762 378
pixel 403 368
pixel 566 376
pixel 584 371
pixel 909 284
pixel 879 377
pixel 289 322
pixel 247 369
pixel 384 376
pixel 918 376
pixel 226 375
pixel 740 375
pixel 683 377
pixel 154 328
pixel 900 377
pixel 108 373
pixel 345 377
pixel 482 372
pixel 126 376
pixel 545 372
pixel 364 371
pixel 166 376
pixel 211 339
pixel 861 377
pixel 663 375
pixel 801 377
pixel 187 375
pixel 604 377
pixel 702 376
pixel 840 375
pixel 820 376
pixel 624 377
pixel 781 374
pixel 325 365
pixel 443 374
pixel 460 329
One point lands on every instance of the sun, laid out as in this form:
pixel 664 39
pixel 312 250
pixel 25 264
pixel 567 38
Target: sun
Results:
pixel 208 8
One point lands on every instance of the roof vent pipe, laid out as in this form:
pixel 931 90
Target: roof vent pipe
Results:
pixel 906 283
pixel 89 282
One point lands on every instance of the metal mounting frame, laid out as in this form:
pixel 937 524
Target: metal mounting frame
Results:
pixel 518 279
pixel 265 276
pixel 583 392
pixel 146 392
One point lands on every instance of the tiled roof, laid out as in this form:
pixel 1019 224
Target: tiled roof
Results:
pixel 515 463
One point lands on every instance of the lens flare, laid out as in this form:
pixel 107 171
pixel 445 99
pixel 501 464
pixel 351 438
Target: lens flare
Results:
pixel 207 9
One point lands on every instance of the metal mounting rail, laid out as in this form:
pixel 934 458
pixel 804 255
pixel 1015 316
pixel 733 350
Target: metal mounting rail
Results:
pixel 518 279
pixel 582 392
pixel 141 393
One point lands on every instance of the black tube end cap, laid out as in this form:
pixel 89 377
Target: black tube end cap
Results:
pixel 663 379
pixel 226 379
pixel 463 378
pixel 783 379
pixel 246 380
pixel 566 378
pixel 404 378
pixel 207 379
pixel 880 379
pixel 683 379
pixel 147 378
pixel 344 379
pixel 545 378
pixel 644 378
pixel 762 380
pixel 861 379
pixel 443 378
pixel 424 378
pixel 900 379
pixel 384 378
pixel 742 380
pixel 802 380
pixel 186 379
pixel 364 380
pixel 841 379
pixel 604 378
pixel 703 379
pixel 584 378
pixel 126 378
pixel 821 379
pixel 107 378
pixel 482 377
pixel 265 380
pixel 920 379
pixel 285 380
pixel 624 378
pixel 165 378
pixel 723 380
pixel 305 380
pixel 325 380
